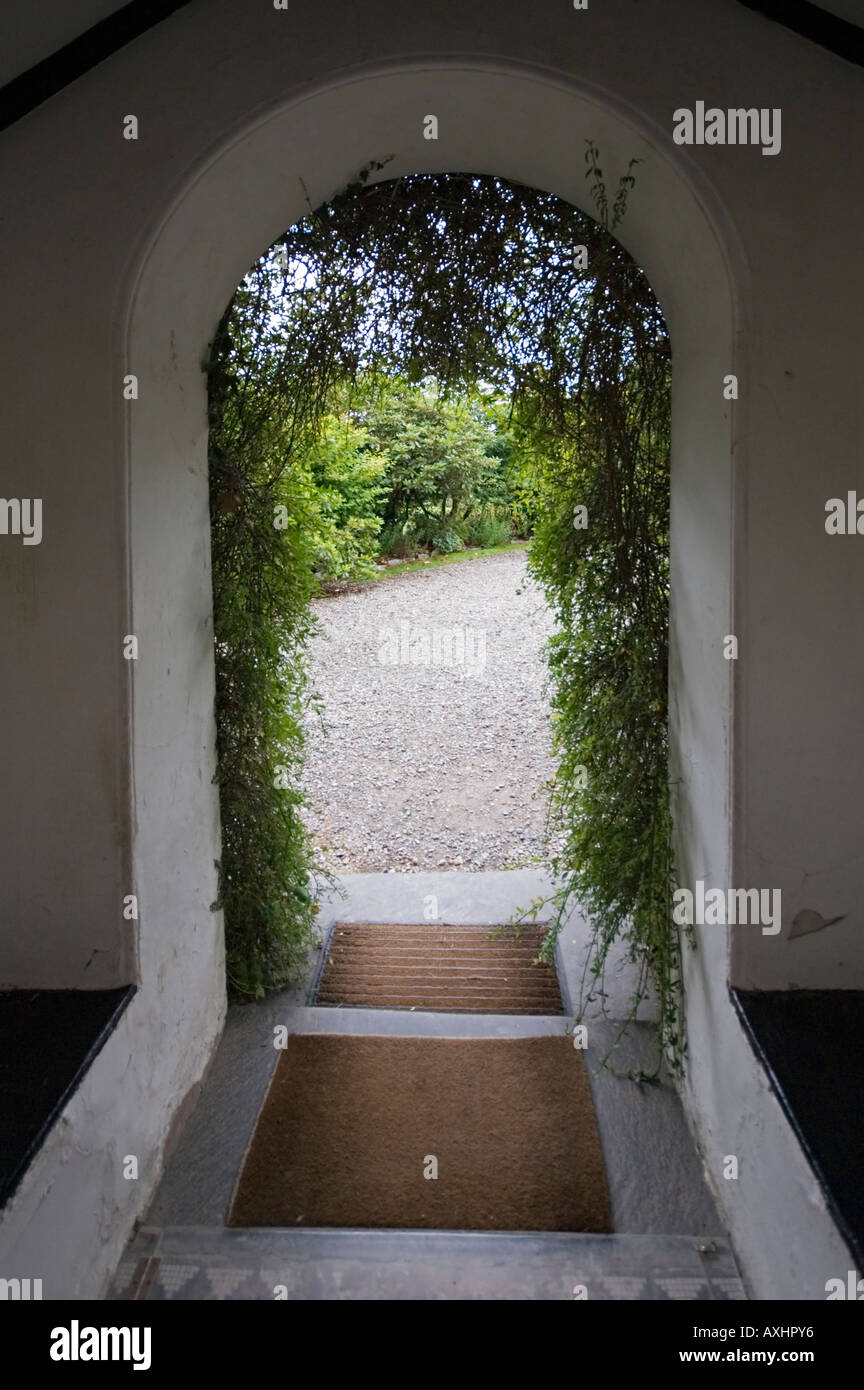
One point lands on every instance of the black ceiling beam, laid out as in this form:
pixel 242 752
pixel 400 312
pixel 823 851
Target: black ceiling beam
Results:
pixel 27 91
pixel 813 23
pixel 31 88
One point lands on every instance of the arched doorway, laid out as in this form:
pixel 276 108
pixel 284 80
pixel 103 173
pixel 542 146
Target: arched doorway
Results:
pixel 518 124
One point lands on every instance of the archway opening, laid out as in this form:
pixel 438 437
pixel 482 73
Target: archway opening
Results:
pixel 370 346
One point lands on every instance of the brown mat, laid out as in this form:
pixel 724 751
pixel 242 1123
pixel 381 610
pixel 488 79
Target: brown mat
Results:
pixel 438 968
pixel 350 1123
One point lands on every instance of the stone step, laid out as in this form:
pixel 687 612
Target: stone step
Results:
pixel 196 1263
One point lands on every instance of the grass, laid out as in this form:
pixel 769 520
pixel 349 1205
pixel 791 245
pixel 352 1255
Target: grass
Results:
pixel 435 561
pixel 334 587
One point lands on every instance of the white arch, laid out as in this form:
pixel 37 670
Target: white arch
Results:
pixel 514 122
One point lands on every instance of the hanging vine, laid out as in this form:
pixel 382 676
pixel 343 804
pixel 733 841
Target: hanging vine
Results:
pixel 464 279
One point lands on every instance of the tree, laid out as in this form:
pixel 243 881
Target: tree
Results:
pixel 348 477
pixel 442 463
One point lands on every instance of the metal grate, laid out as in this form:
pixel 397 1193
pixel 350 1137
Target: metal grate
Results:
pixel 438 968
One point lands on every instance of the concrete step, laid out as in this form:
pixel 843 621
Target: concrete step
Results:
pixel 197 1263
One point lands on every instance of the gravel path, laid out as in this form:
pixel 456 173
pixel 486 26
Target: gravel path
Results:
pixel 435 748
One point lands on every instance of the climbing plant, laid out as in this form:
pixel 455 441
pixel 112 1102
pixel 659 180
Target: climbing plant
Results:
pixel 601 554
pixel 461 279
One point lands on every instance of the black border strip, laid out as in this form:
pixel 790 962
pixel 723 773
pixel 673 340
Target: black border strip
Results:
pixel 11 1179
pixel 811 22
pixel 35 86
pixel 751 1032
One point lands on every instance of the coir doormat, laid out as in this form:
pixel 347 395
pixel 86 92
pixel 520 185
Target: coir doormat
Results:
pixel 438 968
pixel 440 1133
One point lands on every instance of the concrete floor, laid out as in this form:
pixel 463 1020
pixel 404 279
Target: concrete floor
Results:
pixel 191 1264
pixel 655 1177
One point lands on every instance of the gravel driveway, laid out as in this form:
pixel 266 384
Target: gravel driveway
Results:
pixel 435 748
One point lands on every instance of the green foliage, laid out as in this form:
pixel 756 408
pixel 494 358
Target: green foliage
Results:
pixel 447 541
pixel 460 280
pixel 441 465
pixel 521 462
pixel 393 541
pixel 349 488
pixel 489 529
pixel 608 585
pixel 262 581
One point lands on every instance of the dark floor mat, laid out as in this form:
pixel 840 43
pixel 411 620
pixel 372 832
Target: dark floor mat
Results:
pixel 426 1133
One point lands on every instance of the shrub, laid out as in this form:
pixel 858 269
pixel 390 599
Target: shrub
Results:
pixel 486 530
pixel 447 541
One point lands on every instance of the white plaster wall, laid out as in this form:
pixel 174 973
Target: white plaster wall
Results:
pixel 120 256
